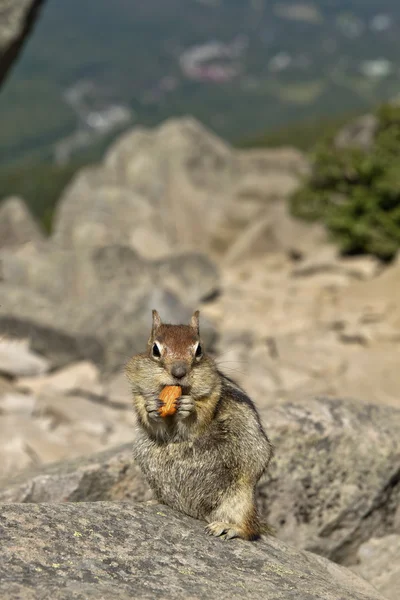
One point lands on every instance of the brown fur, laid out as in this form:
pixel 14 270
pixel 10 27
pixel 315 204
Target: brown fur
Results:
pixel 207 458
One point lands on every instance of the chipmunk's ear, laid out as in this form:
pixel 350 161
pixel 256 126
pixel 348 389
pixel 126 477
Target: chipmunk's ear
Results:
pixel 194 321
pixel 156 322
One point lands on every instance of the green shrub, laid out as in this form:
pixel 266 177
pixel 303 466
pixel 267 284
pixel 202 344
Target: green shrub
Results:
pixel 355 192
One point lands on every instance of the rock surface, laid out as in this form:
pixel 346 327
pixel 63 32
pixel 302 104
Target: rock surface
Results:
pixel 109 475
pixel 379 563
pixel 110 550
pixel 36 429
pixel 100 295
pixel 17 360
pixel 333 484
pixel 318 325
pixel 286 315
pixel 335 479
pixel 174 188
pixel 144 229
pixel 17 226
pixel 17 19
pixel 175 218
pixel 77 377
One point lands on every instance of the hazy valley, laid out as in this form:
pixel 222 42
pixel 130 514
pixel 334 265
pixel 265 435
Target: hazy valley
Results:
pixel 241 67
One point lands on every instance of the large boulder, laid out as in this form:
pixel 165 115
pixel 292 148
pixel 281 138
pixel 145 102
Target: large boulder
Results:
pixel 50 329
pixel 96 305
pixel 114 550
pixel 146 229
pixel 109 475
pixel 332 485
pixel 334 482
pixel 176 187
pixel 17 20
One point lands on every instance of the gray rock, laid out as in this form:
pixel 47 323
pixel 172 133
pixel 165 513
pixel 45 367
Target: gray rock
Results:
pixel 175 188
pixel 25 314
pixel 108 475
pixel 277 231
pixel 121 322
pixel 98 207
pixel 17 226
pixel 134 234
pixel 13 403
pixel 156 190
pixel 82 377
pixel 116 550
pixel 17 19
pixel 121 265
pixel 17 360
pixel 55 427
pixel 25 441
pixel 328 261
pixel 6 386
pixel 43 269
pixel 191 275
pixel 332 485
pixel 379 563
pixel 76 306
pixel 335 480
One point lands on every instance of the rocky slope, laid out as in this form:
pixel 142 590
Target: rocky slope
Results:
pixel 333 484
pixel 175 219
pixel 104 550
pixel 139 230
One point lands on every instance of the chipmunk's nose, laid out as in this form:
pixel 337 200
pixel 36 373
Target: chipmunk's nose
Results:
pixel 179 370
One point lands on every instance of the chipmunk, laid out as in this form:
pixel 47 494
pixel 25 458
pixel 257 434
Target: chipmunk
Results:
pixel 207 458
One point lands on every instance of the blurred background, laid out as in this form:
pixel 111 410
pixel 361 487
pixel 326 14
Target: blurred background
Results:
pixel 237 156
pixel 254 71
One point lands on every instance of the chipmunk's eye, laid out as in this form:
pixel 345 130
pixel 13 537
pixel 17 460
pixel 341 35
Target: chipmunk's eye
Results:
pixel 156 351
pixel 199 352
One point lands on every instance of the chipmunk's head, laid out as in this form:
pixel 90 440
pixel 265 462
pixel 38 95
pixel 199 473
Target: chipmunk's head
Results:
pixel 176 348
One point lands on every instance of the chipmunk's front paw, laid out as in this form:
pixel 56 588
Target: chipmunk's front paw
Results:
pixel 229 531
pixel 226 531
pixel 185 406
pixel 153 405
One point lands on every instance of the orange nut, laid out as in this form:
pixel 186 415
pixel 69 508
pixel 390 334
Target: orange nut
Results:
pixel 169 395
